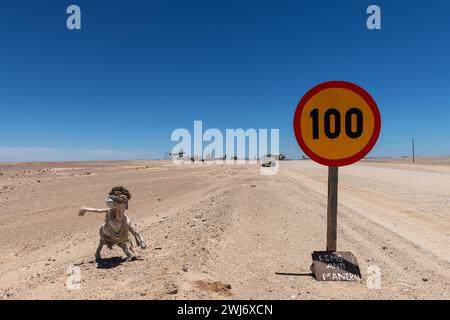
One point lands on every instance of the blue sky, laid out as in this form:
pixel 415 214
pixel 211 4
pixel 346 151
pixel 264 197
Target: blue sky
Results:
pixel 140 69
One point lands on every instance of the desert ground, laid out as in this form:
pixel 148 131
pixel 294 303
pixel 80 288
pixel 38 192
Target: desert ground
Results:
pixel 225 231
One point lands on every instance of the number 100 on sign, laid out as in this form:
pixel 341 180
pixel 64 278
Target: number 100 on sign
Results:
pixel 337 123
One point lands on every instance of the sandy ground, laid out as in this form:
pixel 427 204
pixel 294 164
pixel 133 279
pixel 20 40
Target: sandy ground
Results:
pixel 224 232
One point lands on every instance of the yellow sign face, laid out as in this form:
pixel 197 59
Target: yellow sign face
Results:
pixel 337 123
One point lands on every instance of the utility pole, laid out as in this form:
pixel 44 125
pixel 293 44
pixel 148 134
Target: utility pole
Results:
pixel 413 152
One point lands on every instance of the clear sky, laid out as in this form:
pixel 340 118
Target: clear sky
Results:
pixel 140 69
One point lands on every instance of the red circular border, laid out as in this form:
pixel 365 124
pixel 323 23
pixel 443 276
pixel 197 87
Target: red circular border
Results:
pixel 344 85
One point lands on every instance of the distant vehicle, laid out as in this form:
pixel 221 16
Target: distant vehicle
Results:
pixel 270 160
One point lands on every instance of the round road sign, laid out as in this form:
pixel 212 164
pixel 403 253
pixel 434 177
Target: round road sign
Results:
pixel 337 123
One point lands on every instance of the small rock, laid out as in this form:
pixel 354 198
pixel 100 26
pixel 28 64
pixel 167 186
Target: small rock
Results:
pixel 172 289
pixel 424 279
pixel 384 248
pixel 253 186
pixel 39 181
pixel 185 269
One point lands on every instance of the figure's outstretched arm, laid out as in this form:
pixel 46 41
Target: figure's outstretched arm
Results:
pixel 134 231
pixel 84 210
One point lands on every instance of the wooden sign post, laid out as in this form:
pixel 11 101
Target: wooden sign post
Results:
pixel 332 208
pixel 336 124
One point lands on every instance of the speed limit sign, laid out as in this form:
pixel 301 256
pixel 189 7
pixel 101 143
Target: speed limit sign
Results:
pixel 337 123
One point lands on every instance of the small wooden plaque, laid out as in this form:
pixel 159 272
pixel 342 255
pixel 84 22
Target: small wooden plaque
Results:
pixel 335 266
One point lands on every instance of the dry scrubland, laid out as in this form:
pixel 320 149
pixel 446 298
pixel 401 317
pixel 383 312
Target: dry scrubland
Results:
pixel 225 231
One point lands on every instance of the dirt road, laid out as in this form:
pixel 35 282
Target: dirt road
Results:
pixel 224 232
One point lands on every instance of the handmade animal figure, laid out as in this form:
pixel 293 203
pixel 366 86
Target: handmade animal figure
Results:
pixel 115 230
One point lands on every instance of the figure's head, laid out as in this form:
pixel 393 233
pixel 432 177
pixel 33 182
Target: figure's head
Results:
pixel 118 198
